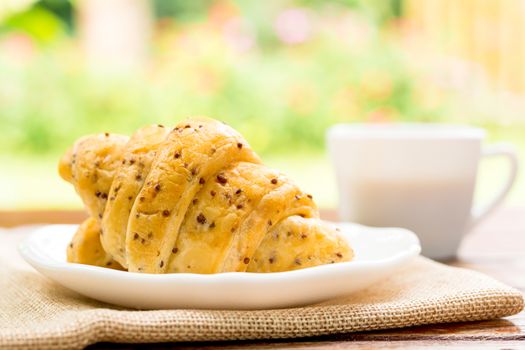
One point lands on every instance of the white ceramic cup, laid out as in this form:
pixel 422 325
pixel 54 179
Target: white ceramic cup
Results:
pixel 417 176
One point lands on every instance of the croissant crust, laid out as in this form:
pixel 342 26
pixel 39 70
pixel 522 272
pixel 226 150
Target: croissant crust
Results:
pixel 194 198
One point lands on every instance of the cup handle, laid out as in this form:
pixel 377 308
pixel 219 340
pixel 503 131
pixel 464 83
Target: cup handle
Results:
pixel 497 150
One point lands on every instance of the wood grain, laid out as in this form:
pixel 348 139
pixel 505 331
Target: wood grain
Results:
pixel 32 217
pixel 496 247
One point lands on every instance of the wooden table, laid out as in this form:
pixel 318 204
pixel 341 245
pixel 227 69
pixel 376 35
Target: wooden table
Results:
pixel 496 247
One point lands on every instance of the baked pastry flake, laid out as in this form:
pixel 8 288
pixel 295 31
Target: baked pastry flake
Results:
pixel 194 198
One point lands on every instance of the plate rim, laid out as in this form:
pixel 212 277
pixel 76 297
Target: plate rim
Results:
pixel 36 261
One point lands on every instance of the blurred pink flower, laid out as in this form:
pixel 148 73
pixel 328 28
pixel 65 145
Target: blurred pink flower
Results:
pixel 19 47
pixel 221 11
pixel 239 34
pixel 293 26
pixel 381 115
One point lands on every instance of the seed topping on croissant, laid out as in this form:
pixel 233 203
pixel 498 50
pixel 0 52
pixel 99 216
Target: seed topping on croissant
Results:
pixel 194 198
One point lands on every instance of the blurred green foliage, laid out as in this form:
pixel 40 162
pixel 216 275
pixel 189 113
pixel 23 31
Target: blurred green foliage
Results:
pixel 38 23
pixel 280 71
pixel 281 95
pixel 181 10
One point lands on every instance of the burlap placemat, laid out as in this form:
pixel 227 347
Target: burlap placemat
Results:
pixel 37 313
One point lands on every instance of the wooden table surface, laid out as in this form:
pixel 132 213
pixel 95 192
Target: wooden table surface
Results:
pixel 496 247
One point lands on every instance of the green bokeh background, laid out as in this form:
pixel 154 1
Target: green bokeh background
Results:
pixel 282 96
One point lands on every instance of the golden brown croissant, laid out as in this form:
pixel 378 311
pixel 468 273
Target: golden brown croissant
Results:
pixel 85 247
pixel 194 198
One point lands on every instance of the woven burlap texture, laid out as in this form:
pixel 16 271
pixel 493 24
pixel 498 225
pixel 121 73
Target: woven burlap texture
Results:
pixel 40 314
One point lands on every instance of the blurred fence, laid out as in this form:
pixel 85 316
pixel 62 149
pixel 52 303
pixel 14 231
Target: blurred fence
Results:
pixel 487 34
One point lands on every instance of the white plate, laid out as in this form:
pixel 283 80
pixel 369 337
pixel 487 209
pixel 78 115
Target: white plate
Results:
pixel 379 251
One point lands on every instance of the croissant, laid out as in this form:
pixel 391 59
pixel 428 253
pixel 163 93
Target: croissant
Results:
pixel 194 198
